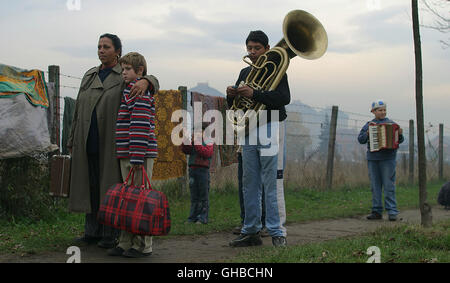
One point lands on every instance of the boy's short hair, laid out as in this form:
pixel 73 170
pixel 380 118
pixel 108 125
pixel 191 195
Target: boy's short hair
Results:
pixel 258 36
pixel 377 104
pixel 136 60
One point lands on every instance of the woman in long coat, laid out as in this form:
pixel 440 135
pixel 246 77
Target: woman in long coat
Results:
pixel 95 167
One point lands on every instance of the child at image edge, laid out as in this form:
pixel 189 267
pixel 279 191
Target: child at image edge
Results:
pixel 136 144
pixel 381 165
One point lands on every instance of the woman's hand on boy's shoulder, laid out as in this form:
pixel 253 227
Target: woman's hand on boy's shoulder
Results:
pixel 139 88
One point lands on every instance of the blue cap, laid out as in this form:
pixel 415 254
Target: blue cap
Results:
pixel 378 104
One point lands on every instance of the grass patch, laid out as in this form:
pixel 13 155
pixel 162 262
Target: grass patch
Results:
pixel 57 232
pixel 400 244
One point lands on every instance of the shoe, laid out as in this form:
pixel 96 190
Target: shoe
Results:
pixel 279 241
pixel 107 243
pixel 264 232
pixel 117 251
pixel 247 240
pixel 237 230
pixel 133 253
pixel 87 240
pixel 393 217
pixel 374 216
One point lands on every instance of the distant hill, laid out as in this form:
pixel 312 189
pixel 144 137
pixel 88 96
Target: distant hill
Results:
pixel 204 88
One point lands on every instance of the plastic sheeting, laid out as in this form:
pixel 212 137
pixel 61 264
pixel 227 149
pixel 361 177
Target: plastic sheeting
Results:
pixel 23 128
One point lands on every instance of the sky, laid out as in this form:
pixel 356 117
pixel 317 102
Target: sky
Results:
pixel 370 46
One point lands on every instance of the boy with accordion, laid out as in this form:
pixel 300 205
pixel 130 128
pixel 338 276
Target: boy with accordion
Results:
pixel 383 137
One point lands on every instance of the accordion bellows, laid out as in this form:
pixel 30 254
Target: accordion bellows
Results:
pixel 383 136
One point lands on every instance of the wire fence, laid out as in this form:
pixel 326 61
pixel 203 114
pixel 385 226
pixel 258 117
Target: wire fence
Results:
pixel 307 143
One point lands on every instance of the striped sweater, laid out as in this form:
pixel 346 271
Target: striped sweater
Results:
pixel 135 131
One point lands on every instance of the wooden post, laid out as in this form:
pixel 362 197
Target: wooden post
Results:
pixel 404 164
pixel 441 151
pixel 53 77
pixel 411 152
pixel 425 208
pixel 184 181
pixel 331 146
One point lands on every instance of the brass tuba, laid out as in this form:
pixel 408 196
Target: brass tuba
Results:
pixel 304 36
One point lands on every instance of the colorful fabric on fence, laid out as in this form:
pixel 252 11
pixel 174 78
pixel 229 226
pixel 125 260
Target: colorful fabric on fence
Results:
pixel 14 81
pixel 171 161
pixel 228 153
pixel 208 103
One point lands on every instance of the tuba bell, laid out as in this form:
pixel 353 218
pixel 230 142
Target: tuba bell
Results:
pixel 304 36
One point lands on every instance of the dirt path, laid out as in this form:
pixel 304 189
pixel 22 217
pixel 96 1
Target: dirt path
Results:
pixel 214 247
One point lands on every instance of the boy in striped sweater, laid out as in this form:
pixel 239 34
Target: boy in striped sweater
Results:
pixel 135 143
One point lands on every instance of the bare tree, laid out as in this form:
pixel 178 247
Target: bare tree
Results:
pixel 425 208
pixel 439 10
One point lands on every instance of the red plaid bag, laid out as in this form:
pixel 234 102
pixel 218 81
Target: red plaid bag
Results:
pixel 136 209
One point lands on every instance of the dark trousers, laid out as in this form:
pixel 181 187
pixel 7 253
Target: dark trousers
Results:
pixel 92 228
pixel 199 188
pixel 241 195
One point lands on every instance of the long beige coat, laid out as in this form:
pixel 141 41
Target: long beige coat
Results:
pixel 105 97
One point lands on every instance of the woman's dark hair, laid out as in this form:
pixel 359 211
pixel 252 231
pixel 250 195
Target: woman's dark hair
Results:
pixel 115 40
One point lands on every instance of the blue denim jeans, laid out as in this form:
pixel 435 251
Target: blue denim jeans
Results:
pixel 199 188
pixel 241 195
pixel 260 168
pixel 382 176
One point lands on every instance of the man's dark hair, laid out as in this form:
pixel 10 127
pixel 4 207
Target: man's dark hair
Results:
pixel 115 40
pixel 258 36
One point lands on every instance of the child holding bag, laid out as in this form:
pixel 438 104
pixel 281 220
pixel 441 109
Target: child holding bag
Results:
pixel 136 144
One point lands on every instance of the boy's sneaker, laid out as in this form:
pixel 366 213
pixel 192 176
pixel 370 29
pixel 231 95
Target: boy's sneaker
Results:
pixel 133 253
pixel 117 251
pixel 374 216
pixel 247 240
pixel 279 241
pixel 237 230
pixel 264 232
pixel 392 217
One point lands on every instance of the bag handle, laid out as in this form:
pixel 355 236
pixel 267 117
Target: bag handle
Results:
pixel 128 177
pixel 145 179
pixel 144 175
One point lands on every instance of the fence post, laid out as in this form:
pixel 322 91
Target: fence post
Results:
pixel 331 146
pixel 53 77
pixel 404 163
pixel 184 180
pixel 411 152
pixel 441 151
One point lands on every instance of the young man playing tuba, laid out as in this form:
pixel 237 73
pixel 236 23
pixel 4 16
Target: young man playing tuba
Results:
pixel 263 162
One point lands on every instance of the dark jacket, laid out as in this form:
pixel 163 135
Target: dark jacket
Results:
pixel 274 100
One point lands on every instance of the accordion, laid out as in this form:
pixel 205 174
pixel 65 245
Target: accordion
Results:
pixel 383 136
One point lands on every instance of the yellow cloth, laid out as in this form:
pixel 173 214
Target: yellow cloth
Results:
pixel 171 161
